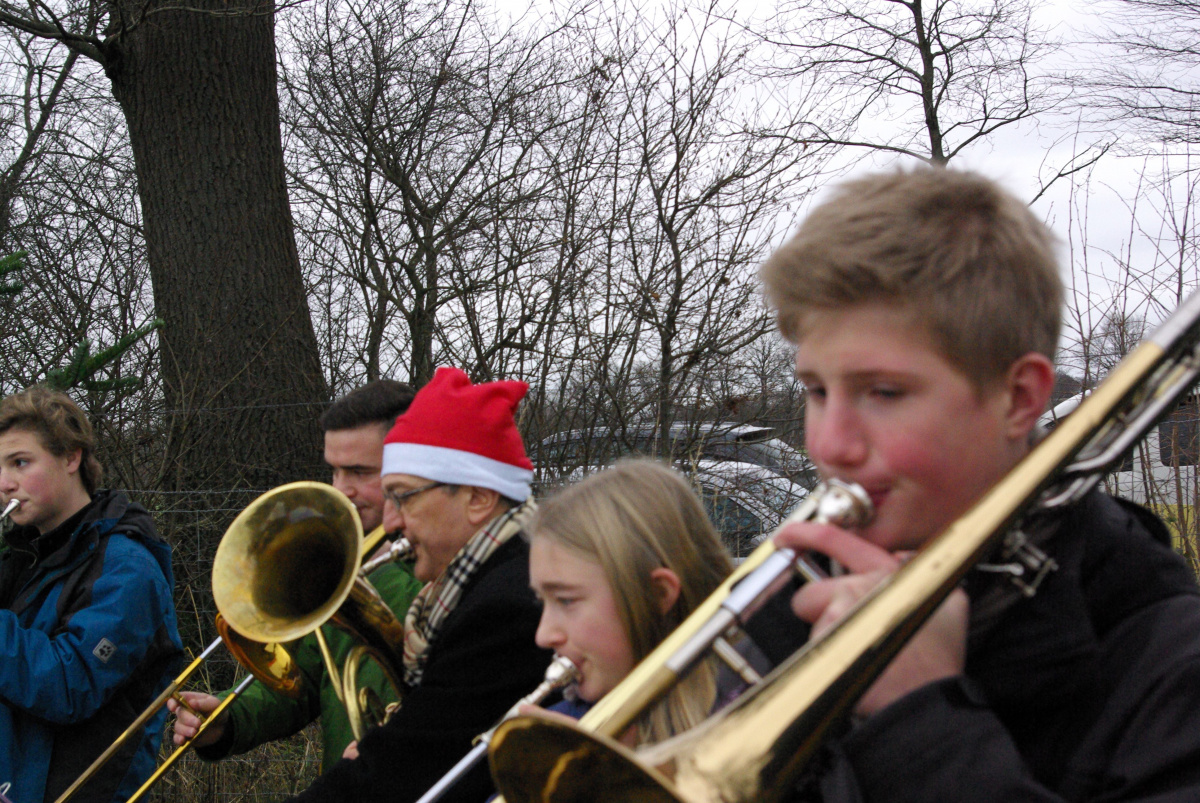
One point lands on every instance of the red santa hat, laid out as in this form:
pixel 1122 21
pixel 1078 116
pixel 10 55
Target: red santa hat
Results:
pixel 462 434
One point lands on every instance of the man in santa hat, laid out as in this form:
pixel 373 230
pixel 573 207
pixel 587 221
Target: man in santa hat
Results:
pixel 456 483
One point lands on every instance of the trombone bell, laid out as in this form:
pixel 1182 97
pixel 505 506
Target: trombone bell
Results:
pixel 537 748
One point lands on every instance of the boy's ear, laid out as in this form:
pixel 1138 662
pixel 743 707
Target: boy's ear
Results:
pixel 1030 381
pixel 74 460
pixel 665 584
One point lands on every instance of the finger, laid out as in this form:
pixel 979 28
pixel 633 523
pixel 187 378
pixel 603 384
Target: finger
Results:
pixel 811 600
pixel 200 701
pixel 824 602
pixel 853 552
pixel 182 734
pixel 846 596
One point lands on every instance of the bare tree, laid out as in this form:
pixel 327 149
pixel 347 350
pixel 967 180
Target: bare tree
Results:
pixel 693 166
pixel 417 134
pixel 196 86
pixel 919 78
pixel 1147 75
pixel 1118 295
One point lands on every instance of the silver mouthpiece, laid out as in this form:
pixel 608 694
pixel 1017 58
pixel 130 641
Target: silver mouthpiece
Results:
pixel 9 508
pixel 397 550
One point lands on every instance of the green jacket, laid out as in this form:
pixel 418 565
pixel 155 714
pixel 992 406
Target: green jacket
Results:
pixel 261 715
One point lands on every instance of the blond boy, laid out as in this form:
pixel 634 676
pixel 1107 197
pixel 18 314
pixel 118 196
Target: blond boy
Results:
pixel 925 310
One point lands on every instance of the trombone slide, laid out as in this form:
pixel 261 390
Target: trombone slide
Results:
pixel 147 714
pixel 178 754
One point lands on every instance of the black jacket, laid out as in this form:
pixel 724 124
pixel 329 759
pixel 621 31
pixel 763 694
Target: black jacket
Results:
pixel 1089 691
pixel 483 661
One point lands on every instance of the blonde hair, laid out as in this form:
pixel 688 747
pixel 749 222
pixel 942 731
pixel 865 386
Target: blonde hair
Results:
pixel 631 519
pixel 966 259
pixel 60 426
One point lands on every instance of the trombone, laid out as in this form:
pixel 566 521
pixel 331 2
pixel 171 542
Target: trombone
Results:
pixel 756 748
pixel 289 563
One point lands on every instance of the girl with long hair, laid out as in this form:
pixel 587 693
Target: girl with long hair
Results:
pixel 619 560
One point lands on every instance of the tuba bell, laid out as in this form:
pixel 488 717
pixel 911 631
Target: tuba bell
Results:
pixel 289 563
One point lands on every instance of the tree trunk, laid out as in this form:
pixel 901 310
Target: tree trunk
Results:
pixel 239 356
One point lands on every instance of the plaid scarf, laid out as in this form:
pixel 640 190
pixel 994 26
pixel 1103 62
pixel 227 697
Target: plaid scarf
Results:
pixel 438 600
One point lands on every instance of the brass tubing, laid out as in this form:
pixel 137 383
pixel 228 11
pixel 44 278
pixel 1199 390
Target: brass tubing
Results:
pixel 178 753
pixel 170 691
pixel 755 749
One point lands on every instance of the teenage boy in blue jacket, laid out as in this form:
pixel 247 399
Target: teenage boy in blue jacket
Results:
pixel 88 636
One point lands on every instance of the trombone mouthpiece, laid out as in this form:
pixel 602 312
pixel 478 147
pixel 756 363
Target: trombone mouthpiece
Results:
pixel 560 672
pixel 9 508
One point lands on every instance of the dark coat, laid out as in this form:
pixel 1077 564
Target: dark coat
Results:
pixel 1090 691
pixel 483 661
pixel 87 640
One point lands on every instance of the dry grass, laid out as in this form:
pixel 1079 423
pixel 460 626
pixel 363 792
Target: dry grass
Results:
pixel 271 772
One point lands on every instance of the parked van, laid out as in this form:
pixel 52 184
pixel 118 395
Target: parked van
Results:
pixel 720 442
pixel 748 479
pixel 1159 472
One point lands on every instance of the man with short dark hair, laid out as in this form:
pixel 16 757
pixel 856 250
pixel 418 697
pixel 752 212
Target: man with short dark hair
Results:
pixel 355 426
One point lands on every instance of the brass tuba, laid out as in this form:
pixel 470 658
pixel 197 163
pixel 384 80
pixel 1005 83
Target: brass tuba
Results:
pixel 288 564
pixel 755 749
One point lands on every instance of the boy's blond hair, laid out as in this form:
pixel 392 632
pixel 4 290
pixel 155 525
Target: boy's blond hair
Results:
pixel 631 519
pixel 967 259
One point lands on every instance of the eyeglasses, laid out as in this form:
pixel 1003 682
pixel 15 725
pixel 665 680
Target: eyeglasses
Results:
pixel 399 500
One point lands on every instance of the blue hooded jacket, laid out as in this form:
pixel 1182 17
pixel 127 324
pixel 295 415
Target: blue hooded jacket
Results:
pixel 87 641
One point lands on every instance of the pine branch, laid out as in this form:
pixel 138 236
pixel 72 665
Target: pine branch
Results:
pixel 10 265
pixel 84 365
